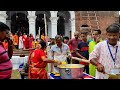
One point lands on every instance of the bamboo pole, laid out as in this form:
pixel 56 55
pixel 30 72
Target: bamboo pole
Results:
pixel 45 25
pixel 46 35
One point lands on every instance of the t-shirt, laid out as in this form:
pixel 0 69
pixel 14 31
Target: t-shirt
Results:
pixel 83 50
pixel 5 63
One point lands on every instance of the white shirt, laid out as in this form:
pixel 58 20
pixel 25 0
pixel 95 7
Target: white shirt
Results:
pixel 101 52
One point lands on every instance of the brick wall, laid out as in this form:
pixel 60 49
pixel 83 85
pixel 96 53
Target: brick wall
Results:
pixel 105 18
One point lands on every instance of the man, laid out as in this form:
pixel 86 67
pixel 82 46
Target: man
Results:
pixel 23 38
pixel 59 51
pixel 15 40
pixel 83 50
pixel 52 42
pixel 5 63
pixel 96 34
pixel 66 40
pixel 105 55
pixel 42 36
pixel 74 43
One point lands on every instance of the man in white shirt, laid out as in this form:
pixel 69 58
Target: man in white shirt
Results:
pixel 106 54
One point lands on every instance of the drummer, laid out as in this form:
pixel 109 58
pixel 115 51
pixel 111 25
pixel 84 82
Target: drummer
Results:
pixel 106 53
pixel 59 51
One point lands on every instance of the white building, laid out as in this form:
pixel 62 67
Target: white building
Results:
pixel 34 19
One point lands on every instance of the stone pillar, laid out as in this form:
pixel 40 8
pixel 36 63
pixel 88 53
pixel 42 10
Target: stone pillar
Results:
pixel 72 27
pixel 3 17
pixel 32 29
pixel 8 22
pixel 49 29
pixel 53 26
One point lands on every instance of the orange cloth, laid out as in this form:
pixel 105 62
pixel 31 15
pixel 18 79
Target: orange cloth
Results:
pixel 42 37
pixel 37 65
pixel 5 44
pixel 24 42
pixel 15 40
pixel 36 44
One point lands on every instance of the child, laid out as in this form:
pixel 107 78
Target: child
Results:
pixel 83 51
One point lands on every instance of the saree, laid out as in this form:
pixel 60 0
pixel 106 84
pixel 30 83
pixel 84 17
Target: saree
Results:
pixel 37 65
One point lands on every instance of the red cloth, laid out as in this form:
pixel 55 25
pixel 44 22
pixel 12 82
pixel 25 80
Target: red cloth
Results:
pixel 83 63
pixel 70 46
pixel 37 65
pixel 24 42
pixel 30 42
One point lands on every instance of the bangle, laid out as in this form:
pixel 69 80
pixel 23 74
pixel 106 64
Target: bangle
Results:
pixel 97 63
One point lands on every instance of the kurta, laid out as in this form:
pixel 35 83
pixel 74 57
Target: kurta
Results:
pixel 101 52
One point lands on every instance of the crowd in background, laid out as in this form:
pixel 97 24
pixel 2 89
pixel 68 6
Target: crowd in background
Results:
pixel 54 51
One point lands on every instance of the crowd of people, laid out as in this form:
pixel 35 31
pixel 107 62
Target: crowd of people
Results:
pixel 102 54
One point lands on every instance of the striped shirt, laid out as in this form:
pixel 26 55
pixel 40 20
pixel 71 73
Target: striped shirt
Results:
pixel 5 64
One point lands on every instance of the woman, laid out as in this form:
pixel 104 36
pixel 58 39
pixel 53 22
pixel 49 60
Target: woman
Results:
pixel 38 61
pixel 21 45
pixel 31 38
pixel 27 42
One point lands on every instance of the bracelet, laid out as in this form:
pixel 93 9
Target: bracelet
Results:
pixel 97 63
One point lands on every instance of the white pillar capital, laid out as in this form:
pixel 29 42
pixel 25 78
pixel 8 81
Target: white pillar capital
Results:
pixel 32 18
pixel 3 17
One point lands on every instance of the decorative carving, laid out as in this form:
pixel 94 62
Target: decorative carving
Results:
pixel 72 19
pixel 53 18
pixel 31 18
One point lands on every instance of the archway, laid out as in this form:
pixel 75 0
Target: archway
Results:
pixel 19 22
pixel 40 23
pixel 63 25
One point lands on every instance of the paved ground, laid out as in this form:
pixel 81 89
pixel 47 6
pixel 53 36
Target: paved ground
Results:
pixel 15 74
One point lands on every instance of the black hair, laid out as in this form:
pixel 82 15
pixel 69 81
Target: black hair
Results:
pixel 113 28
pixel 66 37
pixel 43 44
pixel 98 30
pixel 3 27
pixel 116 24
pixel 58 37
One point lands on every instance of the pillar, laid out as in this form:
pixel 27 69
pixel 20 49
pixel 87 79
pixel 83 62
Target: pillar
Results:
pixel 3 16
pixel 53 26
pixel 32 29
pixel 72 27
